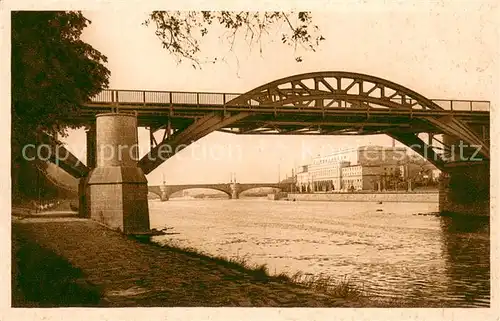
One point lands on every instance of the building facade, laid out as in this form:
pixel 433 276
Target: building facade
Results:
pixel 364 168
pixel 358 177
pixel 302 177
pixel 325 174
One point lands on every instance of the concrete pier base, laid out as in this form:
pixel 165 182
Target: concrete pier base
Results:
pixel 465 190
pixel 117 187
pixel 120 199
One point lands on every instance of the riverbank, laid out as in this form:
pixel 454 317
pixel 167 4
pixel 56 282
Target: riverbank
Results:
pixel 412 197
pixel 77 262
pixel 72 262
pixel 26 207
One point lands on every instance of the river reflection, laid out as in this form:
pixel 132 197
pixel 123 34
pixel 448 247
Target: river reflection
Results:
pixel 466 250
pixel 388 248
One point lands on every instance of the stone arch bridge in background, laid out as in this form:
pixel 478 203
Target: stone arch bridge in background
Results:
pixel 233 190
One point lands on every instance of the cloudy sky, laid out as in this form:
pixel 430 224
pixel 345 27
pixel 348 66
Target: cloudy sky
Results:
pixel 439 49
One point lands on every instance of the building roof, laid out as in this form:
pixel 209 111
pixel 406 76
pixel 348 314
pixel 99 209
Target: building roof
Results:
pixel 366 147
pixel 288 180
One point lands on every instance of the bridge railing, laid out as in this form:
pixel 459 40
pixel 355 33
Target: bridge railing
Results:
pixel 110 96
pixel 463 105
pixel 150 97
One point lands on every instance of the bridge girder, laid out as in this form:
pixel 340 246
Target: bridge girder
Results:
pixel 57 153
pixel 200 128
pixel 418 145
pixel 325 89
pixel 324 103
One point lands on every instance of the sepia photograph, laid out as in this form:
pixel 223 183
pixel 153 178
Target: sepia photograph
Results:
pixel 283 157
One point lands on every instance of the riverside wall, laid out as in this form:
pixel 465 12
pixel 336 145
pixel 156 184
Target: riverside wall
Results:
pixel 415 197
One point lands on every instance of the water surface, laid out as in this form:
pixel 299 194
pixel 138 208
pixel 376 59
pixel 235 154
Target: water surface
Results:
pixel 387 248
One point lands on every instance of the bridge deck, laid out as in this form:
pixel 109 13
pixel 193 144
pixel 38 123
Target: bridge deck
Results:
pixel 156 107
pixel 148 98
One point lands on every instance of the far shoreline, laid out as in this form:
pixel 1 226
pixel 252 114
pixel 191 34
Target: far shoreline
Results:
pixel 369 197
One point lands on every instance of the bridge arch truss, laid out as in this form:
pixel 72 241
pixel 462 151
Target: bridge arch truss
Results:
pixel 318 103
pixel 339 91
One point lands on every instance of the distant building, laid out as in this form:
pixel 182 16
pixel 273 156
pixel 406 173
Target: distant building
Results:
pixel 360 177
pixel 379 155
pixel 362 168
pixel 303 179
pixel 325 173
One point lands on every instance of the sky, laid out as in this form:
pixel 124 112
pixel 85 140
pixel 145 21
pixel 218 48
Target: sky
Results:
pixel 438 49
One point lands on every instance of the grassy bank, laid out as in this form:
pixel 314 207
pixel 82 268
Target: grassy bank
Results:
pixel 336 288
pixel 353 295
pixel 65 262
pixel 68 263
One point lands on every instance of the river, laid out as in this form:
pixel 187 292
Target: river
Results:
pixel 388 249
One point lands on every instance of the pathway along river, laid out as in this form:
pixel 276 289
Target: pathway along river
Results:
pixel 388 248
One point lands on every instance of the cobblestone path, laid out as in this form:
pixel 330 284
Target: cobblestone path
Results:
pixel 74 262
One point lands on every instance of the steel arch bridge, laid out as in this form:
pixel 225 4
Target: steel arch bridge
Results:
pixel 319 103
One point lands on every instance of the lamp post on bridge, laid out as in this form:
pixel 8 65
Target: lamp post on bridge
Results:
pixel 234 187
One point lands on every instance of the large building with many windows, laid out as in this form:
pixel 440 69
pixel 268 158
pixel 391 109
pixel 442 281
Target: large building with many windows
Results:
pixel 362 168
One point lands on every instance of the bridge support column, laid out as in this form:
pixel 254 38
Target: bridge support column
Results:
pixel 117 187
pixel 83 197
pixel 83 190
pixel 235 191
pixel 465 186
pixel 91 146
pixel 465 190
pixel 163 193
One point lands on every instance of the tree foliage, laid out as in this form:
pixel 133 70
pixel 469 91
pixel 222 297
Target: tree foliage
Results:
pixel 53 70
pixel 180 31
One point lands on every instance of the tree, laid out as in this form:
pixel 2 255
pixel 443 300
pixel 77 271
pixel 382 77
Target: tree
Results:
pixel 180 31
pixel 419 171
pixel 53 72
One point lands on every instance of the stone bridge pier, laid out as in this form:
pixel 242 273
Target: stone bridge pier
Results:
pixel 115 191
pixel 235 191
pixel 164 196
pixel 465 190
pixel 465 185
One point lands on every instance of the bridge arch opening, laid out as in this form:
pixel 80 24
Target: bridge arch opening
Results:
pixel 199 193
pixel 153 195
pixel 258 191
